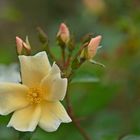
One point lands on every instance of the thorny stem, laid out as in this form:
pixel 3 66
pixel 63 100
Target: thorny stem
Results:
pixel 73 71
pixel 68 59
pixel 70 109
pixel 63 56
pixel 49 52
pixel 47 49
pixel 44 39
pixel 79 52
pixel 75 121
pixel 64 67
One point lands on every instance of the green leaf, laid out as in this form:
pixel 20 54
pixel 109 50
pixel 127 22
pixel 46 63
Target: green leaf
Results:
pixel 85 79
pixel 25 135
pixel 92 97
pixel 8 133
pixel 84 76
pixel 131 137
pixel 101 126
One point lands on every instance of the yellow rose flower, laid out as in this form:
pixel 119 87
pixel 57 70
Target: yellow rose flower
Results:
pixel 37 100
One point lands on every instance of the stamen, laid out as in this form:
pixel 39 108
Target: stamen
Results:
pixel 35 95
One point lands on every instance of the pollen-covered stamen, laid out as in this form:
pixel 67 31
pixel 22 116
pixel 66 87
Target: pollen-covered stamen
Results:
pixel 35 95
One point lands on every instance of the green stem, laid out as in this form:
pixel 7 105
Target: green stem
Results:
pixel 79 52
pixel 47 49
pixel 63 56
pixel 74 70
pixel 68 61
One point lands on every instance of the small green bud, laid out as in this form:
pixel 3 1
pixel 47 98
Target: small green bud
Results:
pixel 42 36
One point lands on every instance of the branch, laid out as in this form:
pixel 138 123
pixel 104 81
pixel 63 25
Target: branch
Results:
pixel 63 56
pixel 75 121
pixel 79 52
pixel 47 49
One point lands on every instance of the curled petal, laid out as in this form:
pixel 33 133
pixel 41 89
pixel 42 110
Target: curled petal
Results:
pixel 12 97
pixel 53 114
pixel 26 119
pixel 53 85
pixel 34 68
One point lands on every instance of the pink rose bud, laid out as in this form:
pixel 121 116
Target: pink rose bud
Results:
pixel 93 46
pixel 63 33
pixel 21 46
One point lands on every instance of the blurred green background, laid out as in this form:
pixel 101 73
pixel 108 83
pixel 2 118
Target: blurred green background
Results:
pixel 109 105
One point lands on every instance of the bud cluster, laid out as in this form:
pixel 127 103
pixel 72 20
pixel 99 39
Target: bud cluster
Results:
pixel 71 60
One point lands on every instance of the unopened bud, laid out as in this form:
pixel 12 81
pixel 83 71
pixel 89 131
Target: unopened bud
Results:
pixel 84 54
pixel 63 33
pixel 23 46
pixel 93 46
pixel 42 36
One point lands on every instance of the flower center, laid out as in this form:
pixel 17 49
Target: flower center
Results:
pixel 35 95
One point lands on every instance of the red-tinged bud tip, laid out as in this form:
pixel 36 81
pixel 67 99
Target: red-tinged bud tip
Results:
pixel 63 33
pixel 63 28
pixel 21 45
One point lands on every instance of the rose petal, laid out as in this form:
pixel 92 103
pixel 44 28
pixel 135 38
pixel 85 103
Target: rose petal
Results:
pixel 12 97
pixel 53 85
pixel 34 68
pixel 26 119
pixel 53 114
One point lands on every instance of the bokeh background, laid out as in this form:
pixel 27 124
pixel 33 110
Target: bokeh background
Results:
pixel 108 105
